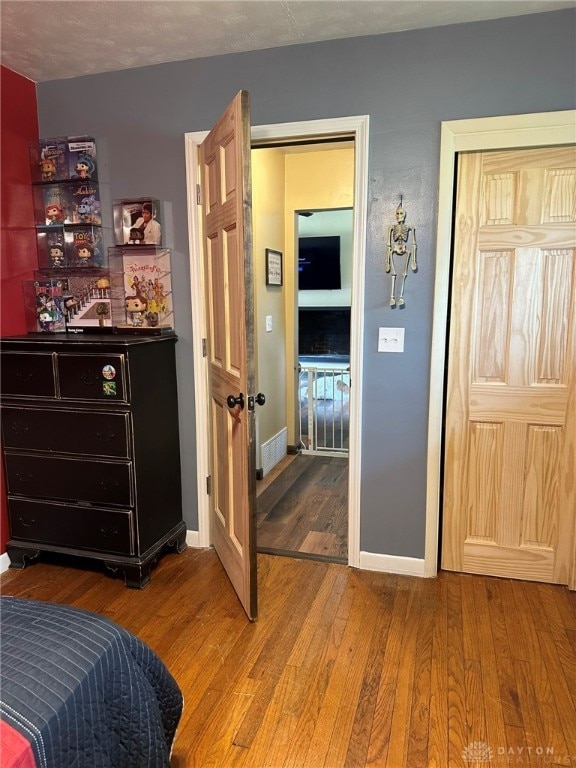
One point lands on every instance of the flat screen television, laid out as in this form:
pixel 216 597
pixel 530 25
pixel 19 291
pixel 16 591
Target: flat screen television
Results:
pixel 319 263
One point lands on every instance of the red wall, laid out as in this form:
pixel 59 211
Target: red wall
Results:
pixel 18 127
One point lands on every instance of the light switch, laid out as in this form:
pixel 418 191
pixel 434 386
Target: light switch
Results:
pixel 391 339
pixel 268 323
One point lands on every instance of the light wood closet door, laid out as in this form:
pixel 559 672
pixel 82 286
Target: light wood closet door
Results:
pixel 509 500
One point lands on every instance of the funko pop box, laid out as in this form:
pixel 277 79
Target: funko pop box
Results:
pixel 83 246
pixel 141 288
pixel 52 205
pixel 85 297
pixel 138 222
pixel 44 304
pixel 63 158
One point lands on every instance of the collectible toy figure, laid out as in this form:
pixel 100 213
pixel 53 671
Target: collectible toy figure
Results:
pixel 54 214
pixel 70 306
pixel 84 167
pixel 85 253
pixel 86 211
pixel 136 307
pixel 56 255
pixel 47 169
pixel 136 236
pixel 152 319
pixel 49 312
pixel 45 320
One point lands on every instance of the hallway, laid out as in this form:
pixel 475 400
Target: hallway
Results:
pixel 302 508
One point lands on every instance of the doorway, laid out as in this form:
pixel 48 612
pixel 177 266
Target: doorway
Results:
pixel 302 215
pixel 356 127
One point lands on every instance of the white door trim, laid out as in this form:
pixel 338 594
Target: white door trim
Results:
pixel 358 127
pixel 507 132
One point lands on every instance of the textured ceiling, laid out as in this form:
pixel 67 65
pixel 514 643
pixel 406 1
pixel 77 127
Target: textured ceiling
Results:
pixel 56 39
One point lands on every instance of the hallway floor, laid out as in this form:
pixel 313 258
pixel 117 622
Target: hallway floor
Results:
pixel 303 508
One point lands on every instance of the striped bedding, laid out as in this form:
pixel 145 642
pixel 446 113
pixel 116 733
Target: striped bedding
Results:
pixel 79 691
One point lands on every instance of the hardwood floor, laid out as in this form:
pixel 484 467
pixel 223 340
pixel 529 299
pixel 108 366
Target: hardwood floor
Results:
pixel 302 508
pixel 347 668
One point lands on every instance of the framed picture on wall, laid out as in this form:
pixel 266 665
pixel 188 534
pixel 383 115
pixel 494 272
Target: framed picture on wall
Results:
pixel 273 267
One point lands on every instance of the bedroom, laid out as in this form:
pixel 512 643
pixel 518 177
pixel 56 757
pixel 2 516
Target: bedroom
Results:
pixel 486 68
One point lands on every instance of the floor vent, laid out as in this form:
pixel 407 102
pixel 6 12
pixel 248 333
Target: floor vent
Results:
pixel 274 450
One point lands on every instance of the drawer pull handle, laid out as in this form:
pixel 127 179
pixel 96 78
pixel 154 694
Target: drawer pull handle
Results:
pixel 106 436
pixel 18 429
pixel 88 378
pixel 106 484
pixel 27 522
pixel 24 477
pixel 109 532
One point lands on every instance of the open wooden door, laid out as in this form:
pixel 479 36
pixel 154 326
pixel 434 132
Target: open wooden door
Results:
pixel 227 237
pixel 509 505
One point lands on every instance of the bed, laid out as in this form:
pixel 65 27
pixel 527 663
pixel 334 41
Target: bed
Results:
pixel 79 691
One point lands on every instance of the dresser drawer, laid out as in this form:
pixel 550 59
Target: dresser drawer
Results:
pixel 61 431
pixel 106 530
pixel 92 377
pixel 27 375
pixel 45 477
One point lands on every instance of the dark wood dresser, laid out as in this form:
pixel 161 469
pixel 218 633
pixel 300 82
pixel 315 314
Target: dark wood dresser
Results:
pixel 91 449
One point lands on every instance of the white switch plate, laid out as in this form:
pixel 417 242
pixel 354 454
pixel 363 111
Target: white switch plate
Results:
pixel 268 323
pixel 391 339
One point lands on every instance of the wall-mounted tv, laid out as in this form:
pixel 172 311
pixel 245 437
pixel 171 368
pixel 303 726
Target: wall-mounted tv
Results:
pixel 319 263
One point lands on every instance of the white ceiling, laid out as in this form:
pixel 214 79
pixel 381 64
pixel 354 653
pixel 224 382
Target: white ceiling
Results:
pixel 56 39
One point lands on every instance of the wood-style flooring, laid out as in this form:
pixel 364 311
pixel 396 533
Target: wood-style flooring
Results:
pixel 347 668
pixel 302 508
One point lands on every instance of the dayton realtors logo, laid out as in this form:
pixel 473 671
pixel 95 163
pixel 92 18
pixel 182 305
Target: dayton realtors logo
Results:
pixel 479 753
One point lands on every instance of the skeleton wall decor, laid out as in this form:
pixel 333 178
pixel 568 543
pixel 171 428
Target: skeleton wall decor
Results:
pixel 401 244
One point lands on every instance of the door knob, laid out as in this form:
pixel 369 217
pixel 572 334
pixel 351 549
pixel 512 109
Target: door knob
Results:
pixel 253 399
pixel 234 401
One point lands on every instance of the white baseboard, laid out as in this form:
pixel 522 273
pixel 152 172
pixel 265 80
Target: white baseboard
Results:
pixel 4 562
pixel 369 561
pixel 405 566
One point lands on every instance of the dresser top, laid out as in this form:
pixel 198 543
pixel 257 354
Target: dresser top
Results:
pixel 72 341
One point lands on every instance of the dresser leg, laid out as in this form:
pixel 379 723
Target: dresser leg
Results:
pixel 178 542
pixel 137 576
pixel 20 558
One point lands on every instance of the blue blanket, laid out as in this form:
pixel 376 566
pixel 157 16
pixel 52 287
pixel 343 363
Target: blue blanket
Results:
pixel 82 690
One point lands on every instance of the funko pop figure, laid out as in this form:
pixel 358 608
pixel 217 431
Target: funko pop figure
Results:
pixel 152 319
pixel 47 169
pixel 136 307
pixel 84 167
pixel 84 210
pixel 56 255
pixel 54 213
pixel 84 253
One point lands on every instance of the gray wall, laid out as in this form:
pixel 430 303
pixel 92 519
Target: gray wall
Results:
pixel 408 83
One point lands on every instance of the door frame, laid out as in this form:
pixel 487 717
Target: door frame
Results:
pixel 357 127
pixel 479 134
